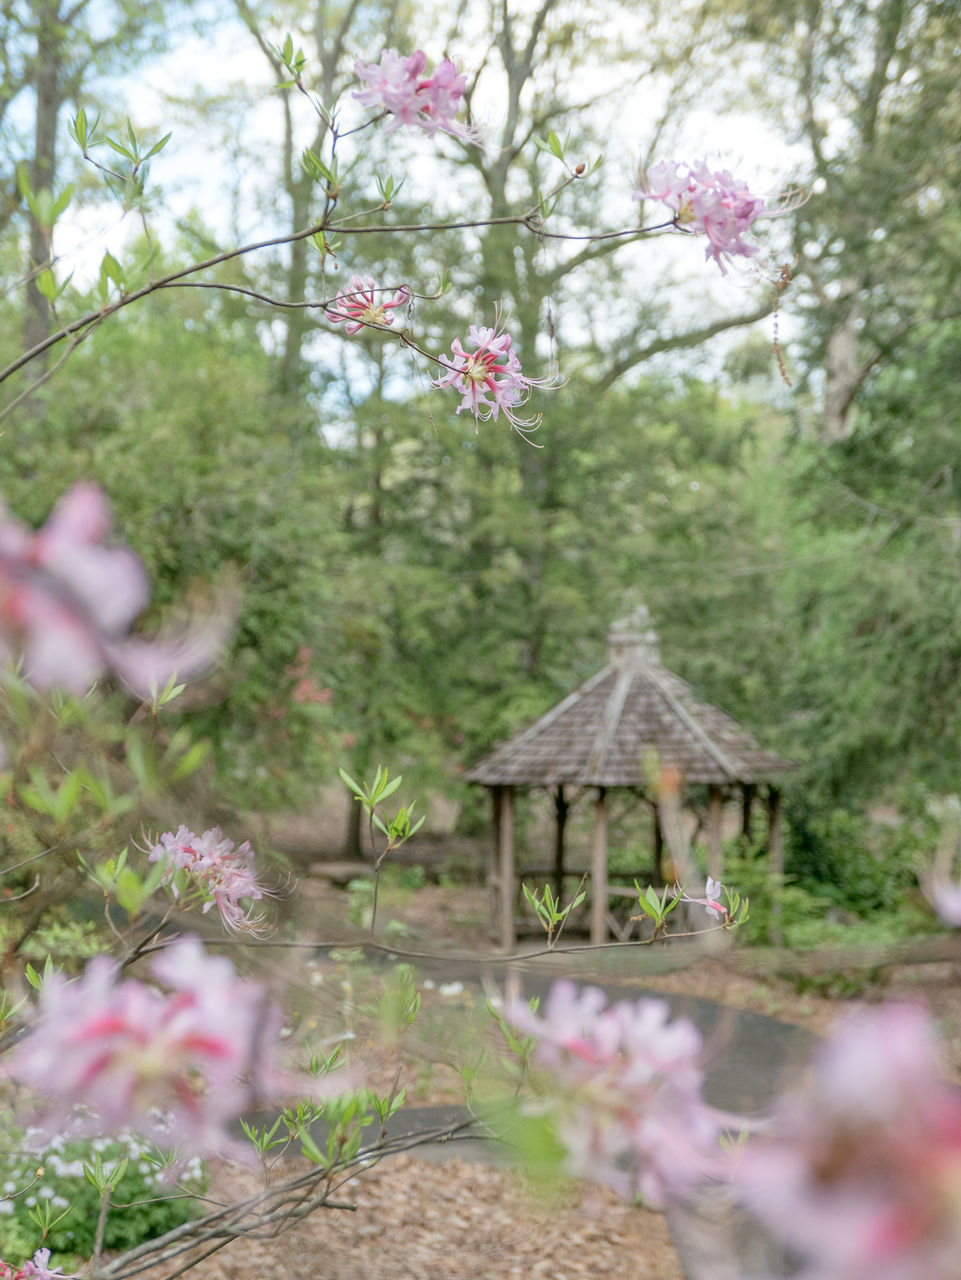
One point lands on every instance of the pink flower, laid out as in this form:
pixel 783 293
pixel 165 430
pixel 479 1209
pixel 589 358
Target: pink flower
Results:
pixel 360 307
pixel 67 601
pixel 711 900
pixel 176 1067
pixel 625 1088
pixel 398 86
pixel 712 893
pixel 218 870
pixel 40 1269
pixel 490 379
pixel 861 1173
pixel 945 897
pixel 716 204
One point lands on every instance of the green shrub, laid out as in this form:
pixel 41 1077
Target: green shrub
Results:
pixel 142 1206
pixel 839 857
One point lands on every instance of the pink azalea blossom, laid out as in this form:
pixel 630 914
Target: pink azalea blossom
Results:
pixel 361 306
pixel 217 868
pixel 399 86
pixel 177 1067
pixel 712 892
pixel 67 600
pixel 861 1173
pixel 714 203
pixel 710 902
pixel 625 1089
pixel 39 1269
pixel 944 895
pixel 490 379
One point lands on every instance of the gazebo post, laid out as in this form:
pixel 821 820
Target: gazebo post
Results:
pixel 658 849
pixel 506 873
pixel 747 802
pixel 775 853
pixel 493 862
pixel 715 844
pixel 599 870
pixel 561 808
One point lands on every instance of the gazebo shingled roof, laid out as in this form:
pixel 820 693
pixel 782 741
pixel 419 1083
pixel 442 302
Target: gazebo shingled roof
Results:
pixel 599 736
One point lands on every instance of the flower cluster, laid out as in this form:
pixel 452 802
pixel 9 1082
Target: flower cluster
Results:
pixel 861 1175
pixel 216 868
pixel 714 203
pixel 67 601
pixel 360 308
pixel 37 1269
pixel 626 1088
pixel 490 379
pixel 176 1067
pixel 399 86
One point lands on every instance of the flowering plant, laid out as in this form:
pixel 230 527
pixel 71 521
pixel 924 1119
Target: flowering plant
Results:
pixel 107 1053
pixel 713 203
pixel 624 1084
pixel 212 866
pixel 399 87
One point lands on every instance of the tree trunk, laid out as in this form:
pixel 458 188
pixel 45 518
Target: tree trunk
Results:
pixel 48 92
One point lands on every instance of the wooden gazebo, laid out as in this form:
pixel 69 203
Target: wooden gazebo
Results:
pixel 599 738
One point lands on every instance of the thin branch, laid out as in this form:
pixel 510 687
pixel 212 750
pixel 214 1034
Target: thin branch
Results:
pixel 530 221
pixel 19 896
pixel 681 341
pixel 48 374
pixel 454 957
pixel 34 857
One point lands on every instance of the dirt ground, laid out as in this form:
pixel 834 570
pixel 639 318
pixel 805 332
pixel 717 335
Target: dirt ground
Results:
pixel 459 1220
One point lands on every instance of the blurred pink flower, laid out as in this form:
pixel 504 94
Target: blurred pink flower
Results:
pixel 490 379
pixel 398 86
pixel 307 690
pixel 944 895
pixel 176 1067
pixel 217 868
pixel 67 601
pixel 714 203
pixel 861 1173
pixel 625 1086
pixel 360 307
pixel 38 1269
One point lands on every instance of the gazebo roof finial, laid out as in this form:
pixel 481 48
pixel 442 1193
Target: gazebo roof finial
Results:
pixel 633 642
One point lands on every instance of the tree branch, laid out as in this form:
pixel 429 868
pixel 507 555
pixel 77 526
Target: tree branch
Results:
pixel 679 342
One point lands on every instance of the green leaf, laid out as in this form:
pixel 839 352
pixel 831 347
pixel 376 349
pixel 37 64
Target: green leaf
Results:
pixel 23 181
pixel 46 285
pixel 190 761
pixel 78 129
pixel 120 149
pixel 158 146
pixel 388 788
pixel 354 786
pixel 110 272
pixel 62 200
